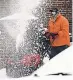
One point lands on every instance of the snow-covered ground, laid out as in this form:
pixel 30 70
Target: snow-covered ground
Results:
pixel 60 63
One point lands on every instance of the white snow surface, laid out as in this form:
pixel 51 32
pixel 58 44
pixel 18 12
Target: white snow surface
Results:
pixel 60 63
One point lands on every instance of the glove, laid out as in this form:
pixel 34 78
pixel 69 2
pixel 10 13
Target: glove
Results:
pixel 47 34
pixel 53 35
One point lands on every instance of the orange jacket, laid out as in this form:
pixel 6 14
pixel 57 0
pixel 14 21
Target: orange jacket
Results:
pixel 60 26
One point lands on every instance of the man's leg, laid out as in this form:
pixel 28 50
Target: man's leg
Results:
pixel 57 50
pixel 53 52
pixel 61 48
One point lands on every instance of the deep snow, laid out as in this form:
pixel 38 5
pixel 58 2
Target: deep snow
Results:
pixel 60 63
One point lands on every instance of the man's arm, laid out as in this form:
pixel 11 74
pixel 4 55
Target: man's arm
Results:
pixel 52 27
pixel 65 28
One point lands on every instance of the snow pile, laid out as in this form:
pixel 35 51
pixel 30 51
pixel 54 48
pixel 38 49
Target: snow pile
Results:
pixel 60 63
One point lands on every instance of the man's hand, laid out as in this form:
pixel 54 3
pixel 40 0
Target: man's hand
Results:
pixel 53 35
pixel 44 30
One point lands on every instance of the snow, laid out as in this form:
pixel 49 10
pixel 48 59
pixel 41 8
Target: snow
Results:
pixel 3 76
pixel 21 18
pixel 60 63
pixel 18 28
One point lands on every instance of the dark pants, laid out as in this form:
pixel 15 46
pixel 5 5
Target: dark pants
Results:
pixel 57 50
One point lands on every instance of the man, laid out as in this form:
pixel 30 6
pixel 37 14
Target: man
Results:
pixel 58 27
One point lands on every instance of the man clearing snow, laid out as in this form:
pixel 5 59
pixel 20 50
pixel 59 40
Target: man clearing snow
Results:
pixel 58 27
